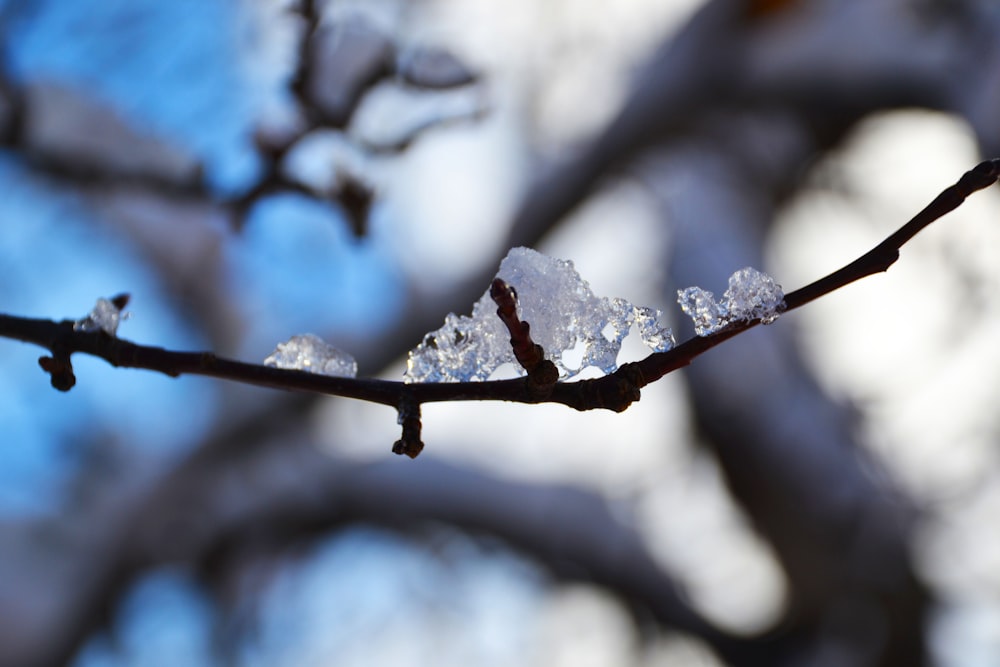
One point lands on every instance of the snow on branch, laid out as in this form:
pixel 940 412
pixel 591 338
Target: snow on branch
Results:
pixel 310 353
pixel 752 295
pixel 447 361
pixel 565 316
pixel 106 315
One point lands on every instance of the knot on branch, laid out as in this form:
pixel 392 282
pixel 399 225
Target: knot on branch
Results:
pixel 626 389
pixel 615 392
pixel 542 373
pixel 409 418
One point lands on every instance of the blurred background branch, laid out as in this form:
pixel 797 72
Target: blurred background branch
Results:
pixel 817 493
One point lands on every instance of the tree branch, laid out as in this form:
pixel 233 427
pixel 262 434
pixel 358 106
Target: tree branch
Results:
pixel 202 510
pixel 613 392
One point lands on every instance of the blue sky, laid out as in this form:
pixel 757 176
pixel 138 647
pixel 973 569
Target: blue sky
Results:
pixel 188 72
pixel 57 255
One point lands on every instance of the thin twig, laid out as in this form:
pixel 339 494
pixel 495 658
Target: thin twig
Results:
pixel 614 392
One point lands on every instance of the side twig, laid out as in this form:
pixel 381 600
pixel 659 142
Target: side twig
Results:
pixel 542 373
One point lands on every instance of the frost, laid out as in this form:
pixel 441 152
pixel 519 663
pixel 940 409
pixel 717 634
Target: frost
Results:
pixel 105 316
pixel 310 353
pixel 751 295
pixel 564 314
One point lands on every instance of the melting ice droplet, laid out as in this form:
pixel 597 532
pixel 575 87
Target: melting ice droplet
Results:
pixel 310 353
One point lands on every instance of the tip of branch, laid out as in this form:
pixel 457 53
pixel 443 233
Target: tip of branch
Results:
pixel 981 176
pixel 409 418
pixel 121 300
pixel 409 447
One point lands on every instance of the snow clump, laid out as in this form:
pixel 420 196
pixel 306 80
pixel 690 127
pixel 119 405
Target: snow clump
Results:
pixel 752 295
pixel 310 353
pixel 564 315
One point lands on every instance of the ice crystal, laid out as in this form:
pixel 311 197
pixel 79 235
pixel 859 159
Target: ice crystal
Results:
pixel 105 316
pixel 308 352
pixel 562 310
pixel 751 295
pixel 653 331
pixel 700 306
